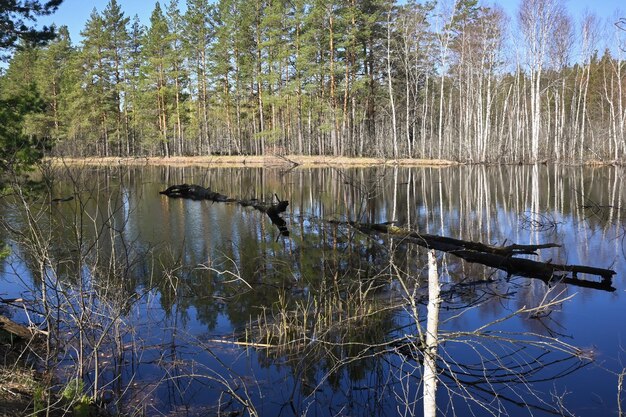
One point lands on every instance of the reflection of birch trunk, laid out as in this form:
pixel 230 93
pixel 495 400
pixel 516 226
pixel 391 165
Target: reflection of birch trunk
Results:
pixel 535 205
pixel 432 325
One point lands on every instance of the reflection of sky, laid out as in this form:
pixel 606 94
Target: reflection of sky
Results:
pixel 16 279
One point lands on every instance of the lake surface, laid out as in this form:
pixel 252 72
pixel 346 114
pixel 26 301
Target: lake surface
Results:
pixel 203 308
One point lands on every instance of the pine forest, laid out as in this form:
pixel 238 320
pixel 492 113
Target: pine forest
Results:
pixel 455 80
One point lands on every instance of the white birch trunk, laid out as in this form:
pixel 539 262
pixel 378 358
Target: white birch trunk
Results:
pixel 432 341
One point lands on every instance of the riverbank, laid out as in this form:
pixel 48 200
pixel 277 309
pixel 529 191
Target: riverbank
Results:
pixel 19 382
pixel 247 161
pixel 17 388
pixel 253 161
pixel 25 391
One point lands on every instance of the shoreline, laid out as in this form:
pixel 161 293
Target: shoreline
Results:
pixel 291 161
pixel 252 161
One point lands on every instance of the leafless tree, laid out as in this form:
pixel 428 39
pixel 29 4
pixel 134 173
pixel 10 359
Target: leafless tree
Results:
pixel 538 21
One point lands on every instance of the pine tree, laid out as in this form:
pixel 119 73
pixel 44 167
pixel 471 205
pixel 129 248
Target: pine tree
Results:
pixel 19 103
pixel 16 17
pixel 116 38
pixel 155 83
pixel 244 58
pixel 131 95
pixel 94 103
pixel 273 51
pixel 178 73
pixel 17 149
pixel 221 69
pixel 54 78
pixel 197 37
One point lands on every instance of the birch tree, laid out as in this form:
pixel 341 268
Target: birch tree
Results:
pixel 537 19
pixel 432 337
pixel 560 54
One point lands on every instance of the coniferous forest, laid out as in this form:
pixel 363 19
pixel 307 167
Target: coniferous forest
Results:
pixel 453 80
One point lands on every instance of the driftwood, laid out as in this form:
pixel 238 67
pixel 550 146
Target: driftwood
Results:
pixel 500 257
pixel 197 192
pixel 14 329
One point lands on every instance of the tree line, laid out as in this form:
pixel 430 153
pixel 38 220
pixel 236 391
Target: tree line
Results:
pixel 451 80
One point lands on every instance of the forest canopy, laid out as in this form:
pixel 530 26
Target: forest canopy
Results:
pixel 450 80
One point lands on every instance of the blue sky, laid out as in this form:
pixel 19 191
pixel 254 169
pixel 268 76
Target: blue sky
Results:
pixel 74 13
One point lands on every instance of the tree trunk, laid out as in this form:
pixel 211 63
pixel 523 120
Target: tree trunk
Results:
pixel 432 340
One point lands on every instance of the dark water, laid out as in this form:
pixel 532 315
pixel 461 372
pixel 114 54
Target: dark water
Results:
pixel 201 308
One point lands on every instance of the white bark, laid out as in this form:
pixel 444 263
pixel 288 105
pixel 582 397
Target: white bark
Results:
pixel 538 21
pixel 432 341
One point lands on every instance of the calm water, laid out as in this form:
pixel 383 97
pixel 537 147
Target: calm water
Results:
pixel 201 308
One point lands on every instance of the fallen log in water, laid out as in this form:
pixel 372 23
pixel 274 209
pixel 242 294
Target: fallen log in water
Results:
pixel 500 257
pixel 15 329
pixel 197 192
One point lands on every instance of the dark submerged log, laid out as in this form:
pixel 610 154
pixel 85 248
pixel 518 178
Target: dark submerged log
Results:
pixel 273 211
pixel 197 192
pixel 194 192
pixel 499 257
pixel 62 200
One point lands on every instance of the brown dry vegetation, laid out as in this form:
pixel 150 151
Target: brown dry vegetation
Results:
pixel 16 391
pixel 23 389
pixel 17 381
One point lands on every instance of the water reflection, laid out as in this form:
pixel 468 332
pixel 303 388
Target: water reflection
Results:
pixel 212 309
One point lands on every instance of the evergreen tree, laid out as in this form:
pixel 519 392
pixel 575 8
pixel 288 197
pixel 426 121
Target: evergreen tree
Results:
pixel 17 149
pixel 198 36
pixel 54 78
pixel 156 100
pixel 178 74
pixel 132 109
pixel 16 18
pixel 20 102
pixel 222 68
pixel 116 42
pixel 94 98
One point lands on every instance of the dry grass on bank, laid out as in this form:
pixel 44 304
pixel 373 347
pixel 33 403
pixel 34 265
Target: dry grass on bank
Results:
pixel 17 382
pixel 16 392
pixel 254 161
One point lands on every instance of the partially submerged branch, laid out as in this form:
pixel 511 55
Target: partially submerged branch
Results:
pixel 500 257
pixel 197 192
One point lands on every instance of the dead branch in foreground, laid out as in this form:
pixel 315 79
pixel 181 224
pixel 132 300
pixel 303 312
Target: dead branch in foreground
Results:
pixel 15 329
pixel 500 257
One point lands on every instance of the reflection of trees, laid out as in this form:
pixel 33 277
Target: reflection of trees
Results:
pixel 337 336
pixel 310 293
pixel 330 303
pixel 81 275
pixel 492 367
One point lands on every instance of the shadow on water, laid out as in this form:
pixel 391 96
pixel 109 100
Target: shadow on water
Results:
pixel 205 307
